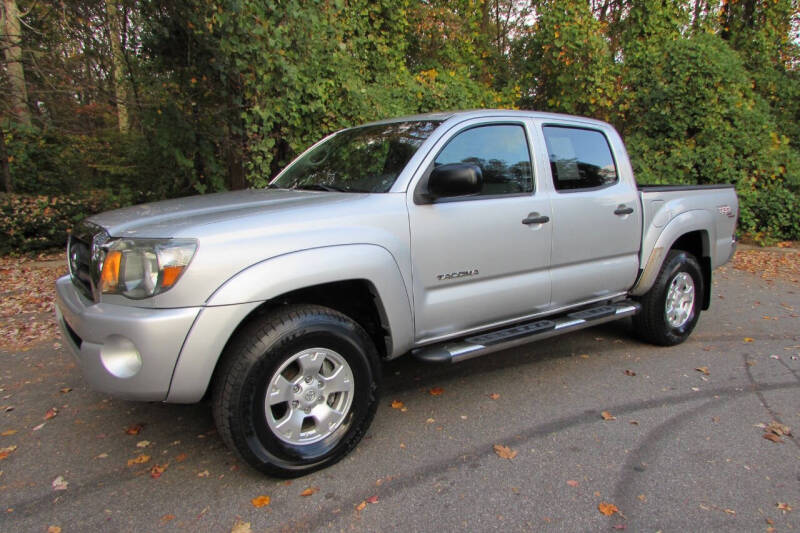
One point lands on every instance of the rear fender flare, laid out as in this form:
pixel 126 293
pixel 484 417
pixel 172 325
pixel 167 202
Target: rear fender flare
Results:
pixel 694 220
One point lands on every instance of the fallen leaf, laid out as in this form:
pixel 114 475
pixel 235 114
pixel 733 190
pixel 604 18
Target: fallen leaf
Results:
pixel 5 452
pixel 785 507
pixel 139 459
pixel 397 404
pixel 504 452
pixel 494 396
pixel 181 457
pixel 779 429
pixel 620 526
pixel 642 498
pixel 65 390
pixel 773 437
pixel 584 356
pixel 372 499
pixel 54 529
pixel 360 506
pixel 38 427
pixel 101 456
pixel 8 432
pixel 430 421
pixel 204 473
pixel 60 483
pixel 436 391
pixel 607 416
pixel 607 508
pixel 572 483
pixel 309 491
pixel 703 369
pixel 748 339
pixel 730 511
pixel 241 527
pixel 134 429
pixel 157 470
pixel 143 444
pixel 260 501
pixel 630 373
pixel 167 517
pixel 51 413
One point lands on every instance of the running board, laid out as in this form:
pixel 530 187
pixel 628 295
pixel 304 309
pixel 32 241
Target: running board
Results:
pixel 484 343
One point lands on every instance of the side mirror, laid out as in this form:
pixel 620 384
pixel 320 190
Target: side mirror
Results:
pixel 456 179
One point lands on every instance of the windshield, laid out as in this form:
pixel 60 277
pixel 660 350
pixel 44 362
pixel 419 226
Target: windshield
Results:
pixel 363 159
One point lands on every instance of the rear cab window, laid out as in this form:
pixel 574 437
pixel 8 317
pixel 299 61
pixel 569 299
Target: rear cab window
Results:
pixel 580 158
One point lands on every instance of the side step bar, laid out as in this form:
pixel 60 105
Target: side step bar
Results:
pixel 484 343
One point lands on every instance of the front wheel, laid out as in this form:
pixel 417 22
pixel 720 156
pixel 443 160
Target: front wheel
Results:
pixel 671 308
pixel 296 390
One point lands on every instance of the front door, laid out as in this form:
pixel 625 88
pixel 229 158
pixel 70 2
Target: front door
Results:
pixel 482 258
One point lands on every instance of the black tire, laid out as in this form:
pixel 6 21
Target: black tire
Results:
pixel 651 323
pixel 255 357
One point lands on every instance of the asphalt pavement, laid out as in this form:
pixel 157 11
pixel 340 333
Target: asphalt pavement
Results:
pixel 663 439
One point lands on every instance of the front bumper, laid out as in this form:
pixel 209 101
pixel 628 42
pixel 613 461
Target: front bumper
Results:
pixel 129 352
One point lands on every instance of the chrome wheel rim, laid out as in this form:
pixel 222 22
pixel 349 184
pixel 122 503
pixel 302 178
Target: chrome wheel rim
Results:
pixel 309 396
pixel 680 300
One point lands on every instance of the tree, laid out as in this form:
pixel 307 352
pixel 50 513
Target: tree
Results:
pixel 120 89
pixel 12 35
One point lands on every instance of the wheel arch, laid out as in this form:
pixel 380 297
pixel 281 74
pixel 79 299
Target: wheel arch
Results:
pixel 688 232
pixel 349 275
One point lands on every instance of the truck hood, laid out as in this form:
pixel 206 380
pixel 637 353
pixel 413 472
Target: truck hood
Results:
pixel 184 216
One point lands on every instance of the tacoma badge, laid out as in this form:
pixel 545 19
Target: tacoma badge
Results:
pixel 461 274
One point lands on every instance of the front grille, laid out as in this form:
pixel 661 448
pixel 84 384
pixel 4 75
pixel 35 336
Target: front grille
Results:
pixel 84 257
pixel 79 254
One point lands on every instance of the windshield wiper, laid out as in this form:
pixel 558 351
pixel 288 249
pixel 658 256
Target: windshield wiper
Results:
pixel 323 187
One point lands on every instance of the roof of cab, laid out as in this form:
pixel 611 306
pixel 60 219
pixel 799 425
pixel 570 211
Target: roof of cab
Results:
pixel 443 116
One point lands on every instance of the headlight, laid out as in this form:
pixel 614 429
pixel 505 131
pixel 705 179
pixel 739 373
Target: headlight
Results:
pixel 140 268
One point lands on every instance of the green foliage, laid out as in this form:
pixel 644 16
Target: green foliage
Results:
pixel 38 222
pixel 564 63
pixel 224 93
pixel 694 118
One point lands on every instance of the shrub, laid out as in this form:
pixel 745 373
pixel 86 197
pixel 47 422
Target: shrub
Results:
pixel 38 222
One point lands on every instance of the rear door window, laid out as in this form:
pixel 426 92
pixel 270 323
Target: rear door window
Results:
pixel 579 158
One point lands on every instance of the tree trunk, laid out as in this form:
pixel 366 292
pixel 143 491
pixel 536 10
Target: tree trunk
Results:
pixel 120 88
pixel 8 185
pixel 13 52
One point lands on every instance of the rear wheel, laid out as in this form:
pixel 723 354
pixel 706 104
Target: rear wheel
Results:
pixel 671 308
pixel 297 390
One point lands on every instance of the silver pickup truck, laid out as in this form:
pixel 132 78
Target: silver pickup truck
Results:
pixel 445 236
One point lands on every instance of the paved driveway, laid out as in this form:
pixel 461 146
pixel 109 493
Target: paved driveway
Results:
pixel 683 450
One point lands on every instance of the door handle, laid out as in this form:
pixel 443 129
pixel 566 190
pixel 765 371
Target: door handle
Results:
pixel 535 218
pixel 622 210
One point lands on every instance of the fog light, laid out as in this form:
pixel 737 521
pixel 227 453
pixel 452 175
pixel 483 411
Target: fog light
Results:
pixel 120 357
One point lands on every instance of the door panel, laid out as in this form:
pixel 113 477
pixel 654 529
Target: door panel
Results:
pixel 474 261
pixel 487 236
pixel 596 218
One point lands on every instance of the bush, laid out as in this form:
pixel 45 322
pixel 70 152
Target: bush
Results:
pixel 694 118
pixel 38 222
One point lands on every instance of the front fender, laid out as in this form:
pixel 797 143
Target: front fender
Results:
pixel 694 220
pixel 235 299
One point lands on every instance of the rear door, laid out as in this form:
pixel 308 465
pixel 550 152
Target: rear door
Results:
pixel 597 217
pixel 474 260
